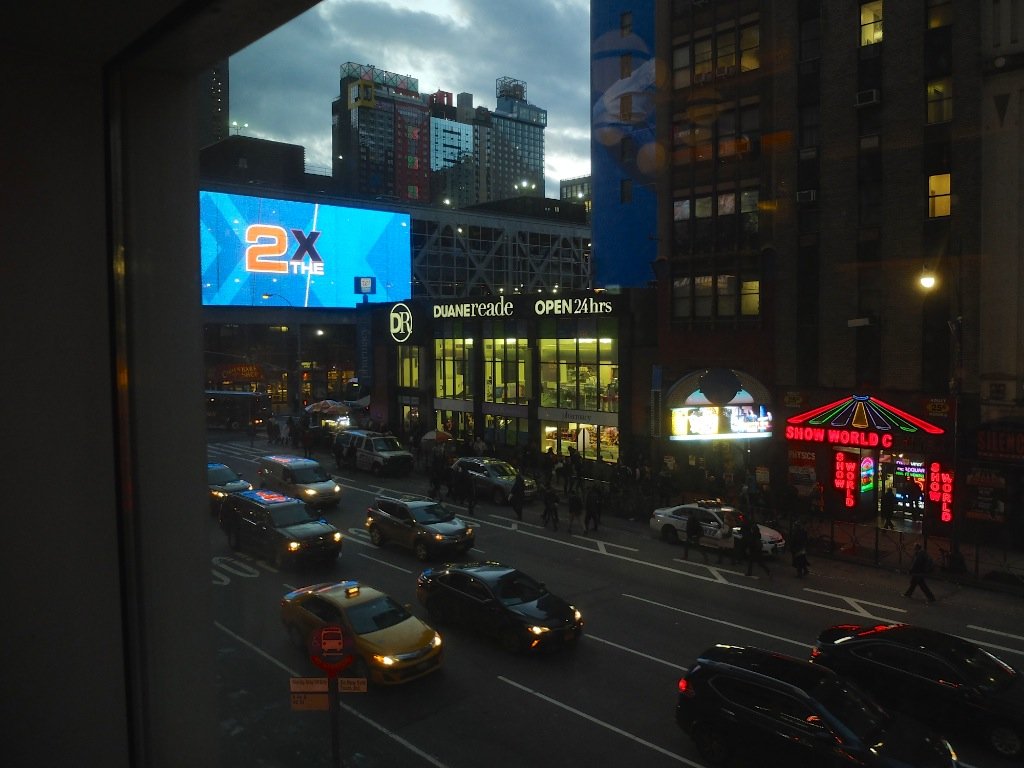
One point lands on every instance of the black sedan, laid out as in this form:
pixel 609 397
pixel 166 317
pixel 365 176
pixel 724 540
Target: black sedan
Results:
pixel 946 681
pixel 501 602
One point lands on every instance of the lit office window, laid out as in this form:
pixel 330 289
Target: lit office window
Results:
pixel 408 366
pixel 750 47
pixel 940 100
pixel 750 295
pixel 940 13
pixel 681 67
pixel 871 22
pixel 939 196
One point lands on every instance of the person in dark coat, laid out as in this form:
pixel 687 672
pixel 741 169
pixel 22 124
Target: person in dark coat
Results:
pixel 467 490
pixel 754 546
pixel 920 566
pixel 550 507
pixel 575 507
pixel 799 545
pixel 692 539
pixel 592 512
pixel 517 496
pixel 888 508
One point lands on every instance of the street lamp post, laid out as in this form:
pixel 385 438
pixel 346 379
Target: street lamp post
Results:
pixel 295 376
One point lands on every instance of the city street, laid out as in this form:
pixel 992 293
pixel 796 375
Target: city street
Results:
pixel 610 701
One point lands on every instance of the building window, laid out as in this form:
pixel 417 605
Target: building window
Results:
pixel 626 24
pixel 452 369
pixel 726 290
pixel 703 295
pixel 408 366
pixel 750 47
pixel 750 295
pixel 725 59
pixel 940 100
pixel 939 196
pixel 810 125
pixel 506 365
pixel 702 61
pixel 681 67
pixel 682 298
pixel 871 22
pixel 940 13
pixel 626 107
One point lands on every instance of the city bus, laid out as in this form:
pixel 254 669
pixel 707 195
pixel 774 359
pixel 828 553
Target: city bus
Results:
pixel 237 410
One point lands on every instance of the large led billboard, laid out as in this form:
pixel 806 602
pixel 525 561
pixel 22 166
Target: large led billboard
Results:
pixel 302 254
pixel 725 422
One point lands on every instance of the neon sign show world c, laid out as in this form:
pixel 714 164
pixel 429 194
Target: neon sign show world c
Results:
pixel 303 254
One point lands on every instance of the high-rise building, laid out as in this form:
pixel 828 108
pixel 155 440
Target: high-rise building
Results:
pixel 796 170
pixel 214 102
pixel 381 135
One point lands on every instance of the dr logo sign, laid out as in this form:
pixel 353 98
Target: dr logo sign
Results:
pixel 269 243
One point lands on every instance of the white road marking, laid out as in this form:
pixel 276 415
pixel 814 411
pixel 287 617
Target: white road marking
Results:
pixel 390 734
pixel 856 603
pixel 602 723
pixel 385 562
pixel 627 649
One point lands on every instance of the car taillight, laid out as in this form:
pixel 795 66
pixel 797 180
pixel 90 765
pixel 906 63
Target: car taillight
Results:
pixel 815 652
pixel 684 687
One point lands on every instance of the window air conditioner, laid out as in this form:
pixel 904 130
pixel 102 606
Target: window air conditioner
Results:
pixel 807 195
pixel 868 97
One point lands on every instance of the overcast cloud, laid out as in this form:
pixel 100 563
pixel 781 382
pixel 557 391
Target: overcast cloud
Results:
pixel 283 85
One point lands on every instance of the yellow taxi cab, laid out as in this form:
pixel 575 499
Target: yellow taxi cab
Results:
pixel 391 645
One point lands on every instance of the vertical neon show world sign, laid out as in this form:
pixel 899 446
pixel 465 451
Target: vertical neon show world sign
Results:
pixel 940 490
pixel 845 478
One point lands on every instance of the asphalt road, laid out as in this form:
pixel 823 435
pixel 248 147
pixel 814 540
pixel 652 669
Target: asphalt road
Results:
pixel 608 702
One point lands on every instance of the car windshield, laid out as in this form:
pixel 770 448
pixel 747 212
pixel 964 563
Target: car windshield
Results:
pixel 434 513
pixel 221 475
pixel 375 615
pixel 515 588
pixel 284 515
pixel 383 444
pixel 310 474
pixel 502 469
pixel 852 707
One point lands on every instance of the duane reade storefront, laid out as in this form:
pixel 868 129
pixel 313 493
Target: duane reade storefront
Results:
pixel 518 371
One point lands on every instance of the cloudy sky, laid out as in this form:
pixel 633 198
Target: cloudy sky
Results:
pixel 283 85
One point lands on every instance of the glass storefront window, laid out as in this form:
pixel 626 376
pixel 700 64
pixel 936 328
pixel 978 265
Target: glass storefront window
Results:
pixel 506 364
pixel 408 366
pixel 453 374
pixel 581 372
pixel 591 440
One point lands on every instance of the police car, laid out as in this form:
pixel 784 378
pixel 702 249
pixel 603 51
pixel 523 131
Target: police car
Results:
pixel 719 524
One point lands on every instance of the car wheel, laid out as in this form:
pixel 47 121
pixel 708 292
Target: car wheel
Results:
pixel 376 536
pixel 713 743
pixel 422 553
pixel 499 496
pixel 296 638
pixel 670 534
pixel 510 640
pixel 1005 740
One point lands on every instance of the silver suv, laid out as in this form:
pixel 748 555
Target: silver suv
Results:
pixel 493 478
pixel 425 526
pixel 373 452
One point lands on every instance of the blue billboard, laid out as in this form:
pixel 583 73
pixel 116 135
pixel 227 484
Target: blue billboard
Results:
pixel 302 254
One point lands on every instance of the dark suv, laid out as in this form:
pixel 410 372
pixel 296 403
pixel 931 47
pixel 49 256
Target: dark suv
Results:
pixel 425 526
pixel 779 710
pixel 278 528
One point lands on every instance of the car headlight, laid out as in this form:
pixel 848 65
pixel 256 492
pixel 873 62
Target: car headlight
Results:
pixel 337 536
pixel 219 494
pixel 438 537
pixel 309 492
pixel 294 546
pixel 576 615
pixel 470 531
pixel 337 488
pixel 385 661
pixel 436 642
pixel 538 630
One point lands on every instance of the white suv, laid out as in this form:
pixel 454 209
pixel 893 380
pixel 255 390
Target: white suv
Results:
pixel 719 524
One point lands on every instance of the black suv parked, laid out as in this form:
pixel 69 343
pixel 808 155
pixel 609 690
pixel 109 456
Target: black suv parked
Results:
pixel 278 528
pixel 779 710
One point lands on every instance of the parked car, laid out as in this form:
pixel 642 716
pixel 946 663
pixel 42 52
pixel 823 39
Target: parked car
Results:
pixel 391 645
pixel 772 709
pixel 372 452
pixel 425 526
pixel 493 478
pixel 501 602
pixel 941 678
pixel 223 480
pixel 720 526
pixel 302 478
pixel 278 527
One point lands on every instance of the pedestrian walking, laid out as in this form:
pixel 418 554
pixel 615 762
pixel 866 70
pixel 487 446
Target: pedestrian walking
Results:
pixel 592 512
pixel 575 507
pixel 693 534
pixel 467 491
pixel 888 508
pixel 307 443
pixel 517 495
pixel 550 507
pixel 920 566
pixel 755 548
pixel 799 543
